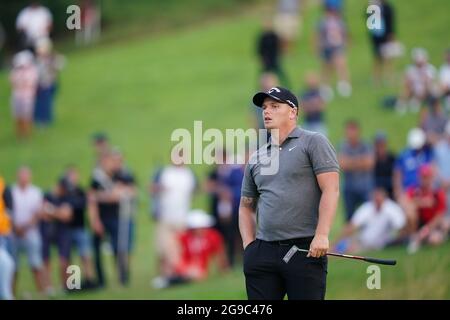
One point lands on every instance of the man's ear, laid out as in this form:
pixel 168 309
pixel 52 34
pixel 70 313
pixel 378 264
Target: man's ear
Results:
pixel 294 113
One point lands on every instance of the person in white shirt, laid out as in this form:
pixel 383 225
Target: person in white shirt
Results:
pixel 419 82
pixel 174 190
pixel 34 22
pixel 375 224
pixel 27 202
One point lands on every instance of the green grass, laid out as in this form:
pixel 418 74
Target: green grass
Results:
pixel 140 89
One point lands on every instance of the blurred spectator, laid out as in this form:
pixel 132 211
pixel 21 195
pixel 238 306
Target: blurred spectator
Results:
pixel 374 225
pixel 384 165
pixel 104 209
pixel 357 162
pixel 90 23
pixel 54 227
pixel 49 64
pixel 268 80
pixel 433 120
pixel 24 81
pixel 175 191
pixel 79 235
pixel 230 219
pixel 155 206
pixel 287 22
pixel 27 201
pixel 215 187
pixel 199 245
pixel 6 259
pixel 406 171
pixel 444 81
pixel 269 52
pixel 313 105
pixel 101 145
pixel 442 160
pixel 6 273
pixel 331 42
pixel 418 82
pixel 127 210
pixel 34 22
pixel 381 38
pixel 426 209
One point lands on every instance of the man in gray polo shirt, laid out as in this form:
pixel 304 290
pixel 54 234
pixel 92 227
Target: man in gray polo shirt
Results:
pixel 294 205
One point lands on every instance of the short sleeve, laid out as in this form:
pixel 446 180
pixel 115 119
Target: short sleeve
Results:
pixel 397 217
pixel 360 216
pixel 322 155
pixel 249 188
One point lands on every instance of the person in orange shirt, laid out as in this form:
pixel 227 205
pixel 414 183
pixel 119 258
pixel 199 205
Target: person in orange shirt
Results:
pixel 6 260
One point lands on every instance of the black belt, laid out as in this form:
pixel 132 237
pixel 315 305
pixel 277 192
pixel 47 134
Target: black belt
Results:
pixel 290 242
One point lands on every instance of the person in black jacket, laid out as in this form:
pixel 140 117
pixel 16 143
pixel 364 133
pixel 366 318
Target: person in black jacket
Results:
pixel 380 37
pixel 269 52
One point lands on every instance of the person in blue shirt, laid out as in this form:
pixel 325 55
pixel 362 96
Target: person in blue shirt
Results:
pixel 406 171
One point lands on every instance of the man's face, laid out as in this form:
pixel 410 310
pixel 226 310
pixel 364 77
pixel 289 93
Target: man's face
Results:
pixel 380 148
pixel 426 181
pixel 352 133
pixel 378 197
pixel 73 176
pixel 277 114
pixel 24 177
pixel 107 163
pixel 101 146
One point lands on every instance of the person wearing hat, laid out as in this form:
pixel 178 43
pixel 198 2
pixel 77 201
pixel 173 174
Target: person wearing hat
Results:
pixel 24 80
pixel 406 169
pixel 295 202
pixel 200 243
pixel 427 206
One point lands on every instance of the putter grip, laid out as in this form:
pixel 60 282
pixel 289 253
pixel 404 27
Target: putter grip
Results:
pixel 381 261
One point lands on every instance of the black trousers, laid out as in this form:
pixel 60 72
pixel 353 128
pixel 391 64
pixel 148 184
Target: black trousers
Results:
pixel 268 277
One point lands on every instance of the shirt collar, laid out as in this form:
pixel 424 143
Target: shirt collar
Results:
pixel 295 133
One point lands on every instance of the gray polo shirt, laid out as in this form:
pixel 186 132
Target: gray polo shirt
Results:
pixel 288 201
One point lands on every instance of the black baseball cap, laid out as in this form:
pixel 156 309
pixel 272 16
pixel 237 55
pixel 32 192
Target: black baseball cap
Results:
pixel 277 93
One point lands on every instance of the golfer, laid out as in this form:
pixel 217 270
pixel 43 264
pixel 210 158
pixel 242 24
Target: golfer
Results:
pixel 294 206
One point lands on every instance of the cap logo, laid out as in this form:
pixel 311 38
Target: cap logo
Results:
pixel 274 89
pixel 291 103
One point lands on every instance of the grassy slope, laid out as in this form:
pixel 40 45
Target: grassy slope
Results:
pixel 140 90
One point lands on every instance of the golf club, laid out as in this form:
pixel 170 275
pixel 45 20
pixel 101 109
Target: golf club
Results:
pixel 367 259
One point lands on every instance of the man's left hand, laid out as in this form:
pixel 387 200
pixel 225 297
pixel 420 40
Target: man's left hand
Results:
pixel 319 246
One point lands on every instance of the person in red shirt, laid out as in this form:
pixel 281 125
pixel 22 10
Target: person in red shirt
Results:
pixel 427 207
pixel 200 245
